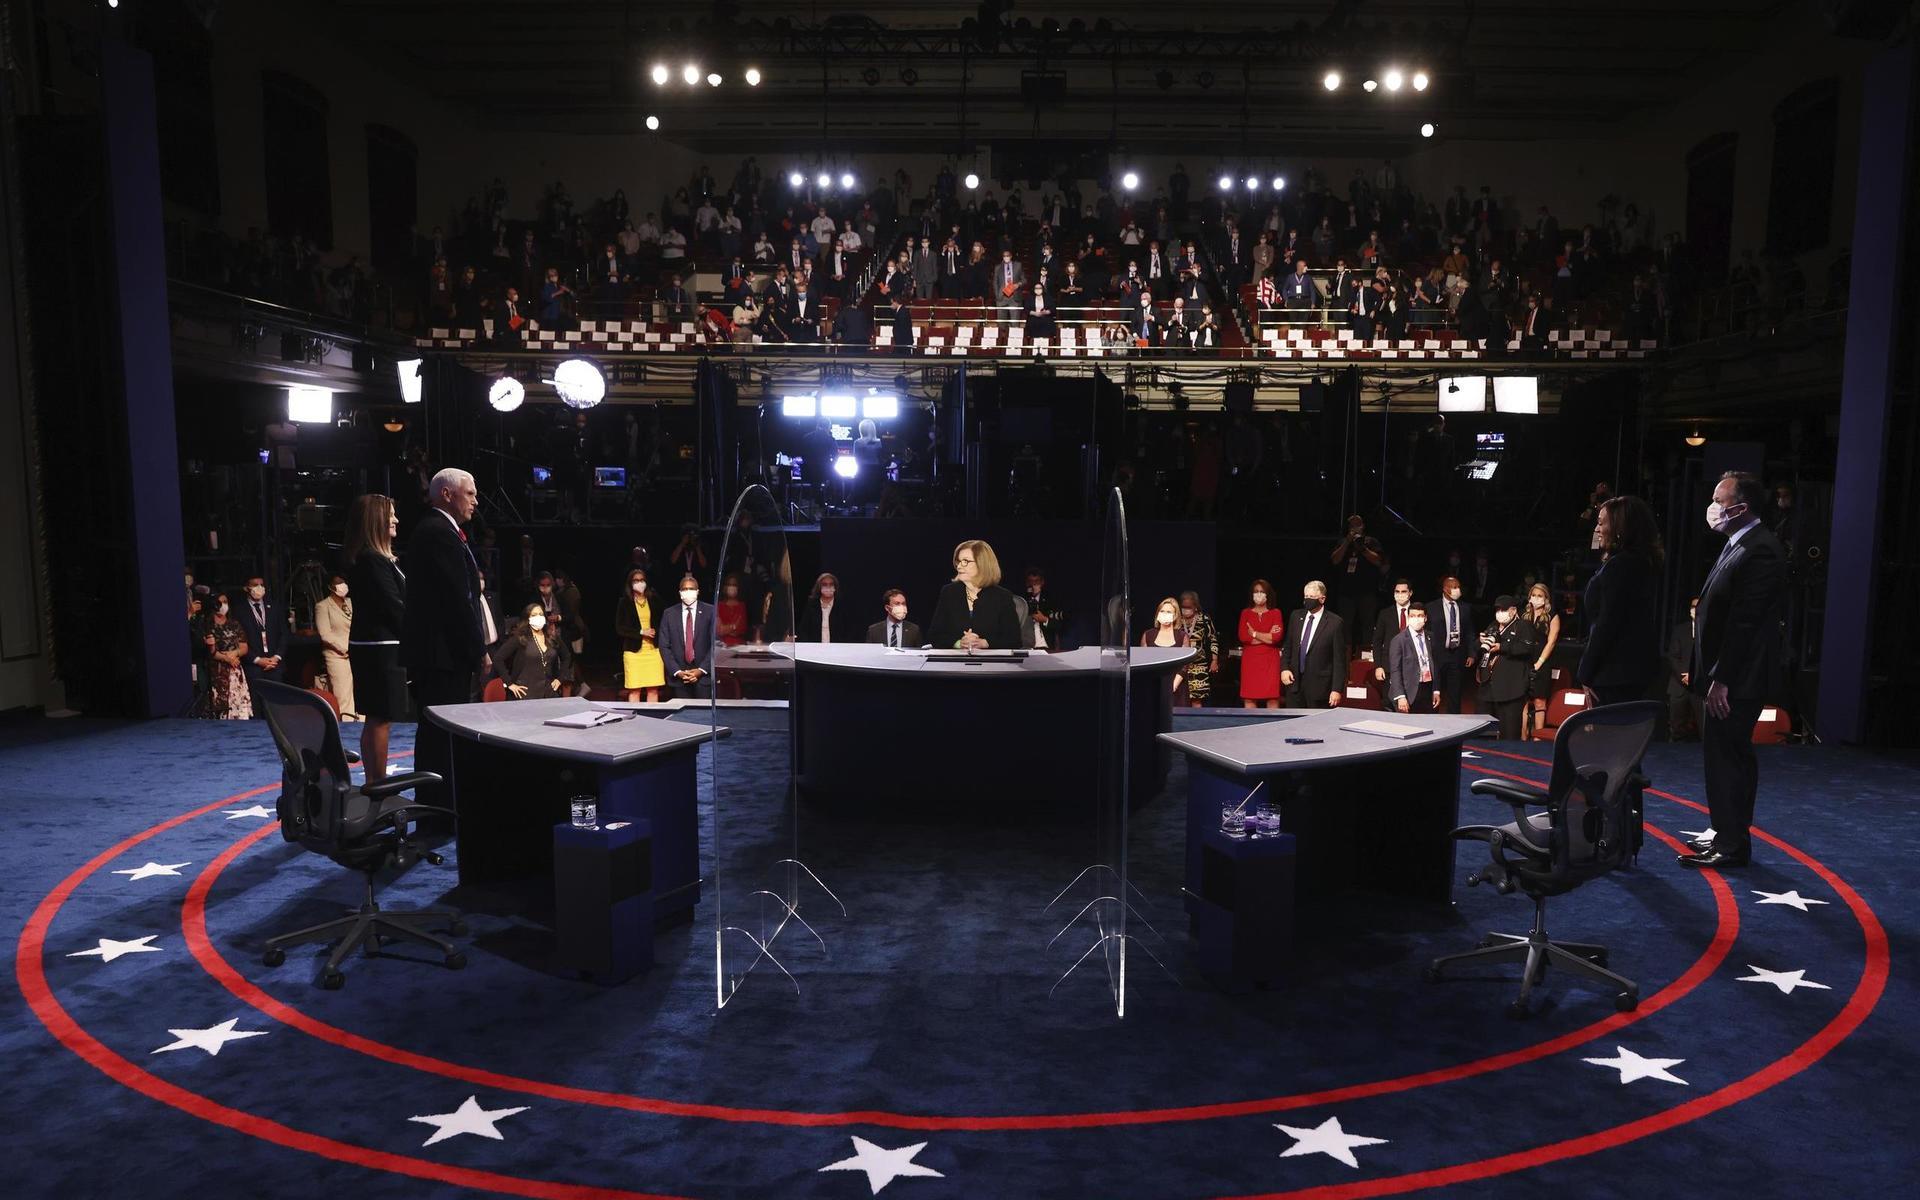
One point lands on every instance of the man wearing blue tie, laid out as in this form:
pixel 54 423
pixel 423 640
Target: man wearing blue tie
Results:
pixel 1315 655
pixel 1410 670
pixel 893 630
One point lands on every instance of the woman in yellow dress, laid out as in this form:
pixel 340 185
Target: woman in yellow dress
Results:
pixel 641 665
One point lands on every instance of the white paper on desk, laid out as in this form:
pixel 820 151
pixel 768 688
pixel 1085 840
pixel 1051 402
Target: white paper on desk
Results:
pixel 1387 729
pixel 591 719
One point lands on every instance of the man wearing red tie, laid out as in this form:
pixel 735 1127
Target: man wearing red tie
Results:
pixel 686 643
pixel 1391 623
pixel 1534 325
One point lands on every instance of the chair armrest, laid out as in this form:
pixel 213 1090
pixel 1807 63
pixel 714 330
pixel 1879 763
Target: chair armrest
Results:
pixel 392 784
pixel 1512 793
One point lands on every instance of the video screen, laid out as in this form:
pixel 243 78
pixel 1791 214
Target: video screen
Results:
pixel 609 477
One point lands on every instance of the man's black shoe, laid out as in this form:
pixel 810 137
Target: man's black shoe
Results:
pixel 1714 860
pixel 1701 844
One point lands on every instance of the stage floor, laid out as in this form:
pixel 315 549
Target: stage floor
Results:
pixel 1761 1062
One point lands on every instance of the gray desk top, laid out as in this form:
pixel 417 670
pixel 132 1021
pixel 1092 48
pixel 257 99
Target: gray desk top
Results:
pixel 520 725
pixel 866 659
pixel 1261 748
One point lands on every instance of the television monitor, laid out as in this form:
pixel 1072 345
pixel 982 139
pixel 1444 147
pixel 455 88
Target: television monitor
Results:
pixel 541 475
pixel 609 477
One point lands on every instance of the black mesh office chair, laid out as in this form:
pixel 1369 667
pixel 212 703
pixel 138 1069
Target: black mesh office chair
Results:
pixel 1591 826
pixel 364 827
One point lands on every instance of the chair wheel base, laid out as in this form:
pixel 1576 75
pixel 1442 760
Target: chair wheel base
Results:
pixel 333 981
pixel 274 957
pixel 1518 1011
pixel 1626 1002
pixel 458 929
pixel 456 960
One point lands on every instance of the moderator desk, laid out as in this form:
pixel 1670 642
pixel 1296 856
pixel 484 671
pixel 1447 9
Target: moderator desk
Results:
pixel 1366 812
pixel 511 775
pixel 876 724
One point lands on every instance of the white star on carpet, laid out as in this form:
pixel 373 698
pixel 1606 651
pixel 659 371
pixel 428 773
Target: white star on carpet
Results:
pixel 211 1039
pixel 468 1118
pixel 1632 1066
pixel 258 810
pixel 883 1166
pixel 1791 899
pixel 152 869
pixel 1697 833
pixel 1786 981
pixel 1327 1138
pixel 108 949
pixel 1468 754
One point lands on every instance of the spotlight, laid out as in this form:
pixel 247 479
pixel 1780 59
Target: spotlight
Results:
pixel 753 76
pixel 506 394
pixel 393 425
pixel 1253 183
pixel 796 179
pixel 653 122
pixel 580 383
pixel 846 180
pixel 1420 81
pixel 838 404
pixel 844 466
pixel 824 180
pixel 1393 79
pixel 308 404
pixel 1130 180
pixel 798 406
pixel 1226 183
pixel 1427 129
pixel 410 380
pixel 881 406
pixel 909 76
pixel 713 79
pixel 660 73
pixel 870 75
pixel 972 181
pixel 1369 85
pixel 1331 81
pixel 1279 182
pixel 1696 439
pixel 690 73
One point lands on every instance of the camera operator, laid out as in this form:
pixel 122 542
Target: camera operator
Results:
pixel 1507 650
pixel 1359 564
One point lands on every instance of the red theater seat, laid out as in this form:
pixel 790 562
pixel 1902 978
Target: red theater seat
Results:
pixel 1773 726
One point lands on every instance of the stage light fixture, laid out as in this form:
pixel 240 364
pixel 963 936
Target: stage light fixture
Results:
pixel 1369 85
pixel 799 406
pixel 660 73
pixel 713 79
pixel 506 394
pixel 1130 180
pixel 690 73
pixel 1253 183
pixel 753 76
pixel 1393 79
pixel 870 76
pixel 1427 130
pixel 823 180
pixel 972 181
pixel 1696 439
pixel 796 179
pixel 653 122
pixel 1420 81
pixel 1517 394
pixel 409 369
pixel 881 406
pixel 310 405
pixel 393 425
pixel 1331 81
pixel 1463 393
pixel 1225 182
pixel 1279 183
pixel 846 180
pixel 580 383
pixel 909 76
pixel 844 465
pixel 839 404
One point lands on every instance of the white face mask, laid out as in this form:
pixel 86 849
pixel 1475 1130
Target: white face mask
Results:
pixel 732 591
pixel 1259 597
pixel 1537 601
pixel 639 585
pixel 899 612
pixel 1503 616
pixel 826 593
pixel 1416 623
pixel 223 609
pixel 688 596
pixel 536 621
pixel 340 589
pixel 1453 593
pixel 256 592
pixel 1165 618
pixel 1717 518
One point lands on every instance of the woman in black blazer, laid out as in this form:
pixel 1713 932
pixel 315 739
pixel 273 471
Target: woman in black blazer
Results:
pixel 974 612
pixel 1622 658
pixel 379 593
pixel 823 607
pixel 534 658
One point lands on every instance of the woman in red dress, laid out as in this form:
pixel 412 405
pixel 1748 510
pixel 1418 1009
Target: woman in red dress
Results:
pixel 1261 631
pixel 730 615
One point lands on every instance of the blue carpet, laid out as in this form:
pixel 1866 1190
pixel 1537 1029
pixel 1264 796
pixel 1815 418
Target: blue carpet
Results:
pixel 927 1017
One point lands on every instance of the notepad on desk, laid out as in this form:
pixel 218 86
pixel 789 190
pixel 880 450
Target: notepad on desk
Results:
pixel 1387 729
pixel 591 719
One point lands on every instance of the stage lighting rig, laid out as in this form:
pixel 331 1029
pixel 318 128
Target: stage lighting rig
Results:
pixel 753 77
pixel 690 73
pixel 579 383
pixel 409 369
pixel 653 122
pixel 1419 81
pixel 1130 180
pixel 506 394
pixel 1426 131
pixel 661 74
pixel 1393 79
pixel 1331 81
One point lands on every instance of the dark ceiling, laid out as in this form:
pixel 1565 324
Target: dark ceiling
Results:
pixel 1150 77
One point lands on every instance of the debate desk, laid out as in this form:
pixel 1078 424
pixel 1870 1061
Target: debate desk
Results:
pixel 872 724
pixel 510 777
pixel 1367 812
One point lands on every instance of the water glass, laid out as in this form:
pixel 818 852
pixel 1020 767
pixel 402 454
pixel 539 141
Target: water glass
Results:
pixel 586 812
pixel 1233 821
pixel 1267 818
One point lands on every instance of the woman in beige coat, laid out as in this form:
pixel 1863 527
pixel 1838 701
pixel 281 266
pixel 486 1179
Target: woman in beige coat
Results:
pixel 334 618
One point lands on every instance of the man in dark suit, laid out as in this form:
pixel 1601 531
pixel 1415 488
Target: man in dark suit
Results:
pixel 893 630
pixel 1737 665
pixel 1390 624
pixel 1510 647
pixel 686 642
pixel 265 626
pixel 1411 663
pixel 1314 660
pixel 1453 640
pixel 442 642
pixel 1297 293
pixel 902 325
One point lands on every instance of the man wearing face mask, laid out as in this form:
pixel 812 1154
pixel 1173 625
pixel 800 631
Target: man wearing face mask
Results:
pixel 1314 661
pixel 1737 665
pixel 893 630
pixel 1391 623
pixel 686 642
pixel 1507 649
pixel 264 624
pixel 1453 639
pixel 1411 659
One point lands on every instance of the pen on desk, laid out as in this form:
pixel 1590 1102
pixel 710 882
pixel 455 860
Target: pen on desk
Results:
pixel 1305 741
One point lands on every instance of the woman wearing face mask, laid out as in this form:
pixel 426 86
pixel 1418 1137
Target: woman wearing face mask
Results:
pixel 730 614
pixel 1167 631
pixel 379 593
pixel 1262 629
pixel 825 619
pixel 1546 627
pixel 974 612
pixel 228 699
pixel 333 618
pixel 642 669
pixel 1622 658
pixel 1507 648
pixel 533 658
pixel 1205 640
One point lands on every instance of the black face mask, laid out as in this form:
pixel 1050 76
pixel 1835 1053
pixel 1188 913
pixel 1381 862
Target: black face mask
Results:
pixel 1310 604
